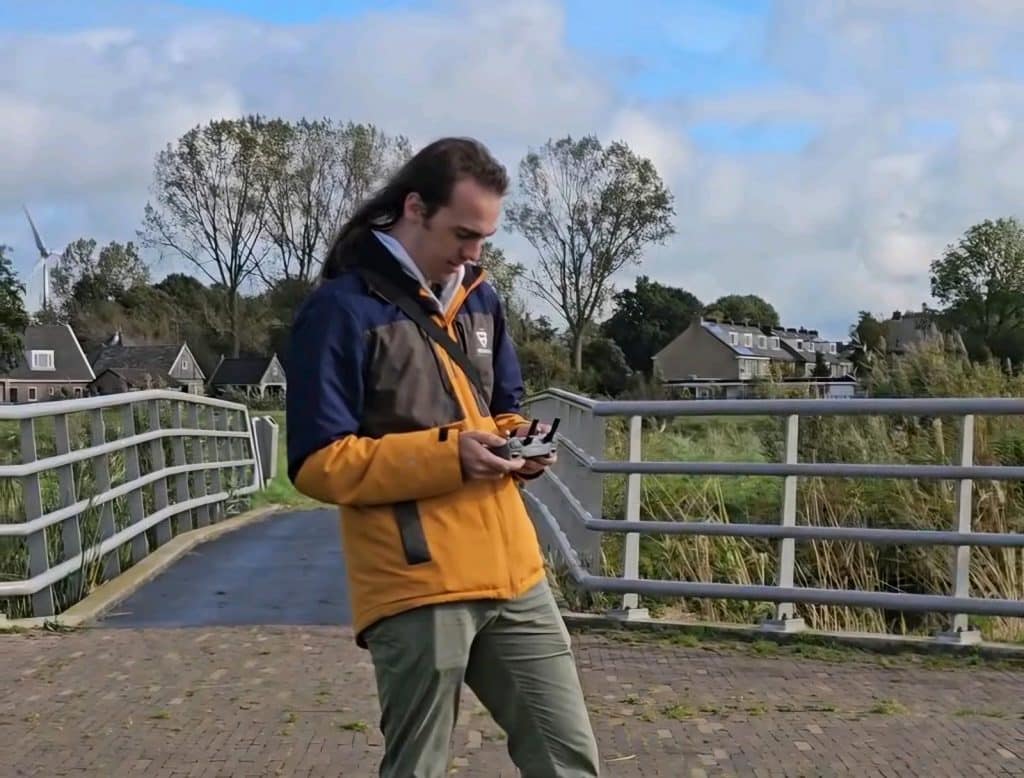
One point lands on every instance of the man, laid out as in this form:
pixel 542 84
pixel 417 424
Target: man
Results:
pixel 446 576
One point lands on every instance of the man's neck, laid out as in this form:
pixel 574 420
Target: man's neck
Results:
pixel 402 234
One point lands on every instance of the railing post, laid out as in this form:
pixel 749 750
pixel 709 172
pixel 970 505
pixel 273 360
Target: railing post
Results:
pixel 631 609
pixel 70 528
pixel 132 471
pixel 786 619
pixel 101 476
pixel 961 631
pixel 183 521
pixel 38 549
pixel 200 485
pixel 158 462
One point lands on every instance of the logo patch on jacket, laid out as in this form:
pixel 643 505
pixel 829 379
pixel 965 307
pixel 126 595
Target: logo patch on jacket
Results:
pixel 481 339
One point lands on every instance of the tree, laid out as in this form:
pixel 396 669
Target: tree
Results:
pixel 505 276
pixel 588 211
pixel 13 318
pixel 980 281
pixel 647 318
pixel 212 189
pixel 325 170
pixel 81 278
pixel 607 370
pixel 744 307
pixel 821 367
pixel 869 332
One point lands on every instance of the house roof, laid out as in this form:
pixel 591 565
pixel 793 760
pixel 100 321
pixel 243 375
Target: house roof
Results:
pixel 69 361
pixel 240 371
pixel 153 358
pixel 142 378
pixel 721 331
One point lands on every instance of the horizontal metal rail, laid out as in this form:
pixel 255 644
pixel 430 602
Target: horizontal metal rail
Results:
pixel 880 406
pixel 114 446
pixel 25 528
pixel 61 571
pixel 84 404
pixel 928 603
pixel 816 469
pixel 186 485
pixel 586 460
pixel 910 537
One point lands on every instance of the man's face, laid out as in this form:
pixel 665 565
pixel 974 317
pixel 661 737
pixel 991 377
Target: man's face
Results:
pixel 455 234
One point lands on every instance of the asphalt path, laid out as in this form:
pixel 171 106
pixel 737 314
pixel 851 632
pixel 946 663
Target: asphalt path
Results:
pixel 285 570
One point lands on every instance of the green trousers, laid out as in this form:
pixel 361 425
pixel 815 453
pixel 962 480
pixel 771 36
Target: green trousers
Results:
pixel 516 657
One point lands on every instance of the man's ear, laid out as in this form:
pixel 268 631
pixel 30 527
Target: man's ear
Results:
pixel 415 209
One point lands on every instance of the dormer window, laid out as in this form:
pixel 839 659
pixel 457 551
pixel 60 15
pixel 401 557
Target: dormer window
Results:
pixel 41 360
pixel 775 343
pixel 762 341
pixel 748 339
pixel 831 348
pixel 734 339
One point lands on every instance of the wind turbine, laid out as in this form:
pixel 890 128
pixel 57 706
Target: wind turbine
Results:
pixel 44 255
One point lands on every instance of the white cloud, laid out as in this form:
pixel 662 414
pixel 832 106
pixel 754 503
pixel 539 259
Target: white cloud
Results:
pixel 849 221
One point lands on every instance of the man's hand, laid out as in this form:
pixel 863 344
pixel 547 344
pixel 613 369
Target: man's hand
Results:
pixel 534 466
pixel 479 462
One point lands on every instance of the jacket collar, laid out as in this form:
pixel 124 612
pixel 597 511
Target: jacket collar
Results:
pixel 370 253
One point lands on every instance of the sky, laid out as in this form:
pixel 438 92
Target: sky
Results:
pixel 821 154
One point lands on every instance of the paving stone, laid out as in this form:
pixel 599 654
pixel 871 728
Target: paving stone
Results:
pixel 300 701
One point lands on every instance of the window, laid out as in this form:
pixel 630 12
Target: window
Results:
pixel 748 339
pixel 799 345
pixel 775 343
pixel 31 393
pixel 42 360
pixel 734 339
pixel 762 341
pixel 831 348
pixel 184 363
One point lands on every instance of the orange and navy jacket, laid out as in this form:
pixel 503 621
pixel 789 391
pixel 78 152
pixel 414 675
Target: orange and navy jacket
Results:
pixel 375 410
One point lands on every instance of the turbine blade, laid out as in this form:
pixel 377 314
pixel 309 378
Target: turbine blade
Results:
pixel 35 234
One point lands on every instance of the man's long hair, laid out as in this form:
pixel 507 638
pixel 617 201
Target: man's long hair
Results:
pixel 432 173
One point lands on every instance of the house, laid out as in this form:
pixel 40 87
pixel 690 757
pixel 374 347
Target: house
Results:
pixel 51 367
pixel 807 345
pixel 722 358
pixel 253 376
pixel 125 367
pixel 903 331
pixel 115 380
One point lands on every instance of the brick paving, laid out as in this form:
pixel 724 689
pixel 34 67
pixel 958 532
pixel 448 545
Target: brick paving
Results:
pixel 295 701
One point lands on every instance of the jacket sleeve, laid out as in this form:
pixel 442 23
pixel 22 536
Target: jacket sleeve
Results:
pixel 508 391
pixel 328 459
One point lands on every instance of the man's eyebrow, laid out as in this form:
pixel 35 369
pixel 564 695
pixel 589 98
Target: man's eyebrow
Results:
pixel 475 233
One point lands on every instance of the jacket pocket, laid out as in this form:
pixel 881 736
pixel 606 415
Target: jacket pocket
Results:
pixel 410 529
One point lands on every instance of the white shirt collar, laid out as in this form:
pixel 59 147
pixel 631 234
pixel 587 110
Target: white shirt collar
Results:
pixel 410 267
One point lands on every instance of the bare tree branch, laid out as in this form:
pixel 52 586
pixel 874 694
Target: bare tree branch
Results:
pixel 587 211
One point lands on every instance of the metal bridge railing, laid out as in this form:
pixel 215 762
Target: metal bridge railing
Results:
pixel 566 501
pixel 81 480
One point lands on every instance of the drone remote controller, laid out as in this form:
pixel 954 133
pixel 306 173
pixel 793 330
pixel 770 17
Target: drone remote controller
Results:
pixel 530 447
